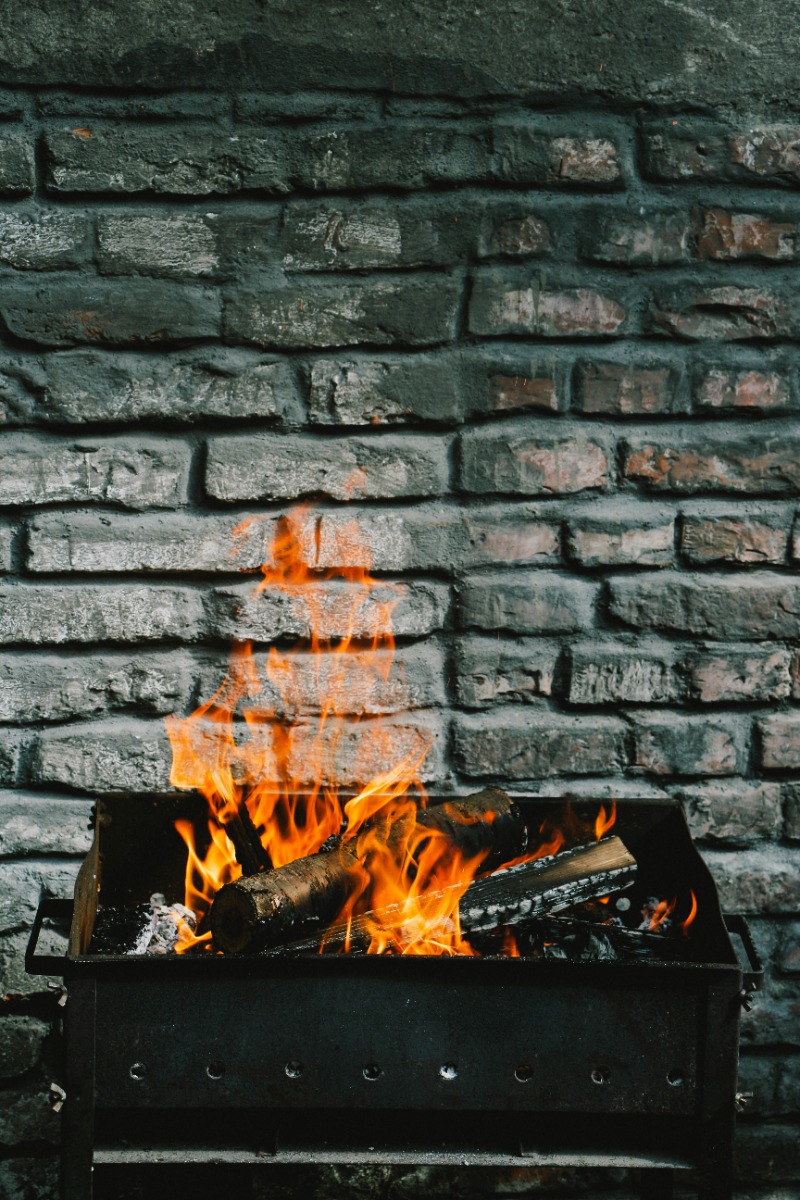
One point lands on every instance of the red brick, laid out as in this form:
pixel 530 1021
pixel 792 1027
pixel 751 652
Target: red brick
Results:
pixel 724 314
pixel 520 744
pixel 518 236
pixel 680 744
pixel 698 149
pixel 586 160
pixel 520 460
pixel 695 463
pixel 622 390
pixel 509 393
pixel 604 537
pixel 744 673
pixel 727 236
pixel 728 388
pixel 757 881
pixel 503 305
pixel 780 741
pixel 640 240
pixel 735 812
pixel 734 539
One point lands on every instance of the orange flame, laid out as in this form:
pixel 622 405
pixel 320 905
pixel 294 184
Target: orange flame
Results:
pixel 663 910
pixel 692 914
pixel 270 740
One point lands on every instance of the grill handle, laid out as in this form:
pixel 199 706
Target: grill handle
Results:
pixel 47 964
pixel 752 970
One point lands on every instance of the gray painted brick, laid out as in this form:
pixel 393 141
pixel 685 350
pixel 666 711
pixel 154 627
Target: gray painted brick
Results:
pixel 17 177
pixel 739 673
pixel 759 605
pixel 174 244
pixel 359 681
pixel 415 311
pixel 12 744
pixel 736 812
pixel 503 303
pixel 526 744
pixel 57 688
pixel 780 741
pixel 104 756
pixel 283 467
pixel 42 239
pixel 180 161
pixel 527 602
pixel 360 236
pixel 37 823
pixel 134 472
pixel 684 744
pixel 522 459
pixel 22 883
pixel 57 613
pixel 758 880
pixel 490 670
pixel 21 1042
pixel 64 312
pixel 399 155
pixel 366 391
pixel 6 540
pixel 607 673
pixel 342 609
pixel 83 386
pixel 616 535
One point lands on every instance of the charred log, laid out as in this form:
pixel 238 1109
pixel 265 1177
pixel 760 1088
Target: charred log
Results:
pixel 272 907
pixel 508 898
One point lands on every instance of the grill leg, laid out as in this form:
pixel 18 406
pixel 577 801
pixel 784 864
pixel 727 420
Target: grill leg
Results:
pixel 656 1183
pixel 77 1126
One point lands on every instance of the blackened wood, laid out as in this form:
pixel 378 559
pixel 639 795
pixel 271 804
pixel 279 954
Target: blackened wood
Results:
pixel 250 854
pixel 272 907
pixel 507 898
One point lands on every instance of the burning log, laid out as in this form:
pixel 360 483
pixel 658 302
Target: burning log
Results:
pixel 512 897
pixel 272 907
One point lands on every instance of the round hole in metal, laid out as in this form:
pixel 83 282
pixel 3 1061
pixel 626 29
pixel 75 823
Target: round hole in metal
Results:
pixel 448 1071
pixel 294 1069
pixel 215 1070
pixel 137 1071
pixel 523 1074
pixel 675 1078
pixel 372 1072
pixel 600 1076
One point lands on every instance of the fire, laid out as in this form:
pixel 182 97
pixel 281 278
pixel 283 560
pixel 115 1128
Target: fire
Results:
pixel 685 925
pixel 263 751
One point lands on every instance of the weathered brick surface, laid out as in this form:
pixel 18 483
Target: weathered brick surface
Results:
pixel 43 239
pixel 132 473
pixel 780 741
pixel 714 606
pixel 21 1042
pixel 744 673
pixel 40 614
pixel 634 240
pixel 735 812
pixel 527 602
pixel 604 674
pixel 371 236
pixel 622 536
pixel 735 539
pixel 728 313
pixel 414 312
pixel 757 881
pixel 53 688
pixel 721 388
pixel 356 468
pixel 620 390
pixel 33 823
pixel 87 386
pixel 710 462
pixel 340 610
pixel 110 756
pixel 528 745
pixel 677 744
pixel 66 312
pixel 505 305
pixel 697 149
pixel 179 245
pixel 727 236
pixel 16 165
pixel 523 460
pixel 490 670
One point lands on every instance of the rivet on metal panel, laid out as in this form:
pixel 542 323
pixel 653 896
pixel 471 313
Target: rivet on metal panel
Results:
pixel 294 1069
pixel 675 1078
pixel 137 1071
pixel 523 1074
pixel 372 1072
pixel 57 1097
pixel 600 1076
pixel 215 1070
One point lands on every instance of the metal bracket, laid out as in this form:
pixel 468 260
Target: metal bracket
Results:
pixel 752 970
pixel 57 1097
pixel 47 964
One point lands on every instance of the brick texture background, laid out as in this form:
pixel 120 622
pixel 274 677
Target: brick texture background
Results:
pixel 557 349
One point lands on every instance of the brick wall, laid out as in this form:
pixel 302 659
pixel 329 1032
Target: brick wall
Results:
pixel 558 345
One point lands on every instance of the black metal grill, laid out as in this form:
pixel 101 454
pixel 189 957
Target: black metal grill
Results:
pixel 484 1061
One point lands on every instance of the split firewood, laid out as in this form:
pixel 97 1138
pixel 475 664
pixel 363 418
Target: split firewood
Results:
pixel 272 907
pixel 508 898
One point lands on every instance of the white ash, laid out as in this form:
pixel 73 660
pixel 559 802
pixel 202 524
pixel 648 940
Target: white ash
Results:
pixel 160 933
